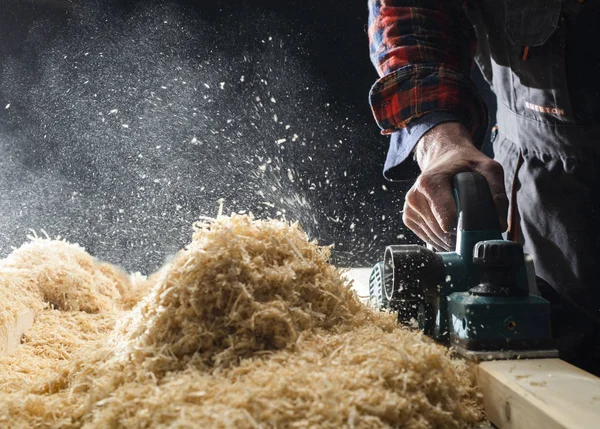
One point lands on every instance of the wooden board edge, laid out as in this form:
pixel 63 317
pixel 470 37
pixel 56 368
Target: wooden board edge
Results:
pixel 539 393
pixel 14 332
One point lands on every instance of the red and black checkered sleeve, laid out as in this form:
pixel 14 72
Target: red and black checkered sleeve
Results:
pixel 423 50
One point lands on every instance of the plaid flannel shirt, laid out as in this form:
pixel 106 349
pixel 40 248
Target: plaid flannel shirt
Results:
pixel 423 50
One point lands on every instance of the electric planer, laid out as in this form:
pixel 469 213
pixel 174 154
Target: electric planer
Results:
pixel 481 298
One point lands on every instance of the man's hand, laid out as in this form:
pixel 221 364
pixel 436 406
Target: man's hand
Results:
pixel 429 208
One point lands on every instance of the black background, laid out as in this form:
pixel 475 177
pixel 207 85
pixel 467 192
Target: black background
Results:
pixel 126 120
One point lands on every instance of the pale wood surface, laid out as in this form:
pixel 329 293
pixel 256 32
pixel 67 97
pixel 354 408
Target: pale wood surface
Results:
pixel 539 393
pixel 360 278
pixel 11 334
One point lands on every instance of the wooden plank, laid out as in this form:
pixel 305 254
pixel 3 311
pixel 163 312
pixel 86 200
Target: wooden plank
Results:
pixel 11 335
pixel 539 393
pixel 360 277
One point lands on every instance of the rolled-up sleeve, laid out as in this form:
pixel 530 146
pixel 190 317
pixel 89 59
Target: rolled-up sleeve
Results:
pixel 423 51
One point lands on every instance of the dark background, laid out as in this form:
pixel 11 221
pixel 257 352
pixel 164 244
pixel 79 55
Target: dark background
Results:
pixel 121 122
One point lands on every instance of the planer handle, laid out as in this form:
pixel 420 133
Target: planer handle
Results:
pixel 474 203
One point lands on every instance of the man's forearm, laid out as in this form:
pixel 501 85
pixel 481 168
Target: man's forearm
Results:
pixel 449 135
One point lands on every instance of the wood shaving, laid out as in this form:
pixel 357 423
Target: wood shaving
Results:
pixel 248 326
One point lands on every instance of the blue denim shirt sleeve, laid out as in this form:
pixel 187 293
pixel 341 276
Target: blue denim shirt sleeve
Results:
pixel 399 164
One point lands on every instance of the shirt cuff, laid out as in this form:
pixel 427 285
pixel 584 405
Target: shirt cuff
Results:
pixel 399 164
pixel 415 90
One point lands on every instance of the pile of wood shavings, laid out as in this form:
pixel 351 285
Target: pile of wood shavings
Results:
pixel 249 326
pixel 66 277
pixel 54 339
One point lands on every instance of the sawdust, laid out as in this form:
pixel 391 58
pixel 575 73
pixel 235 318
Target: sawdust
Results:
pixel 248 326
pixel 66 277
pixel 54 339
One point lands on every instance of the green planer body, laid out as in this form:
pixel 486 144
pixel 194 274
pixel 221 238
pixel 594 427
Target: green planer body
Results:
pixel 479 297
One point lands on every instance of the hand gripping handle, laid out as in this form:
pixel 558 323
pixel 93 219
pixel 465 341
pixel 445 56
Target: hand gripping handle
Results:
pixel 474 203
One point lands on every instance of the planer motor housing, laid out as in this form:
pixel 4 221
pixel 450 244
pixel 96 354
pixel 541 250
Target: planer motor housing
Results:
pixel 481 298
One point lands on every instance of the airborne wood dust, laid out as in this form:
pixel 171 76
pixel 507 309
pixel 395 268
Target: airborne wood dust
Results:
pixel 248 326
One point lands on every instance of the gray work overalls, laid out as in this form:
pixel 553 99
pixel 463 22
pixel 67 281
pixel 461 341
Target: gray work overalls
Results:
pixel 551 164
